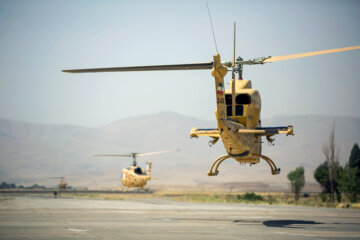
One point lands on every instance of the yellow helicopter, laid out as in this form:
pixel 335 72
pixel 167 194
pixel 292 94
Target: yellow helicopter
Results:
pixel 238 108
pixel 135 176
pixel 62 185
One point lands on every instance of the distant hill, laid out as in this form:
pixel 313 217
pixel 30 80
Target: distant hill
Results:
pixel 31 153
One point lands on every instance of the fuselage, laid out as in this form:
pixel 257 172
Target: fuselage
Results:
pixel 135 177
pixel 62 185
pixel 245 114
pixel 242 112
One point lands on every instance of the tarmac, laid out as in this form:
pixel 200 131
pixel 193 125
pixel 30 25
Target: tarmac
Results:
pixel 65 218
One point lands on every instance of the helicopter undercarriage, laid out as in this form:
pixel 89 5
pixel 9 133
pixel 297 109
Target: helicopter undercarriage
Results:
pixel 218 161
pixel 253 154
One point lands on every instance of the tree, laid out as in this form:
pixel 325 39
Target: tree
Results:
pixel 354 160
pixel 332 159
pixel 350 178
pixel 297 180
pixel 321 174
pixel 4 185
pixel 348 183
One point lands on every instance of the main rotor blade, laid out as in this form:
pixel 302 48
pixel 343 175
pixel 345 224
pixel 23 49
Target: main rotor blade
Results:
pixel 113 155
pixel 191 66
pixel 309 54
pixel 154 153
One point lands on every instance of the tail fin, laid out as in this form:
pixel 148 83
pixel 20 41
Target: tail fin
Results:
pixel 219 72
pixel 148 168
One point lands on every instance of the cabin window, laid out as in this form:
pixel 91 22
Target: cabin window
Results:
pixel 228 111
pixel 228 99
pixel 240 100
pixel 243 99
pixel 239 110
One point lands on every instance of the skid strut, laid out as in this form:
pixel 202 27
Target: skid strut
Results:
pixel 217 163
pixel 274 169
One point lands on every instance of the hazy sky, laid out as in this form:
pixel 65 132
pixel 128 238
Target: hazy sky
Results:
pixel 40 38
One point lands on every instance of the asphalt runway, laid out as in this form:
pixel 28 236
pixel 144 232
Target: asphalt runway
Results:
pixel 61 218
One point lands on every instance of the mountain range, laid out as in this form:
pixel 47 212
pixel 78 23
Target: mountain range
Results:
pixel 33 153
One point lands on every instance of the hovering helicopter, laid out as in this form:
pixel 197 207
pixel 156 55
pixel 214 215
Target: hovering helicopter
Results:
pixel 136 176
pixel 238 108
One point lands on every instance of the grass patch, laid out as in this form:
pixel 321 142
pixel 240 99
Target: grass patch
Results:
pixel 310 200
pixel 4 199
pixel 250 197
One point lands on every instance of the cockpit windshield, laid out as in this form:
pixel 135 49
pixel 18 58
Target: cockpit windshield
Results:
pixel 240 100
pixel 138 170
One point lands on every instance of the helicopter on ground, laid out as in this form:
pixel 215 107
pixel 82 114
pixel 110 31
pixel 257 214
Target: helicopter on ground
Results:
pixel 238 108
pixel 135 176
pixel 62 185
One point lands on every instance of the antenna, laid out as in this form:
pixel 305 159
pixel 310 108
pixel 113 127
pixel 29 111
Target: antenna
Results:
pixel 233 89
pixel 233 59
pixel 212 28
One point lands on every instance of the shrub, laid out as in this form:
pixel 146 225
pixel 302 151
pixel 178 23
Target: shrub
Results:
pixel 250 197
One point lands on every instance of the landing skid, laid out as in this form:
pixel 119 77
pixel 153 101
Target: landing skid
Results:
pixel 218 161
pixel 274 170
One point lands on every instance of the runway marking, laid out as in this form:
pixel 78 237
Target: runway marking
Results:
pixel 299 234
pixel 317 235
pixel 132 212
pixel 251 217
pixel 76 230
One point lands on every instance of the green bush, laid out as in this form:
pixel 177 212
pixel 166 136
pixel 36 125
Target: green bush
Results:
pixel 297 180
pixel 250 197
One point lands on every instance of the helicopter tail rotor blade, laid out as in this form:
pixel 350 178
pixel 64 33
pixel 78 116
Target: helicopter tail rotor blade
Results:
pixel 191 66
pixel 154 153
pixel 309 54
